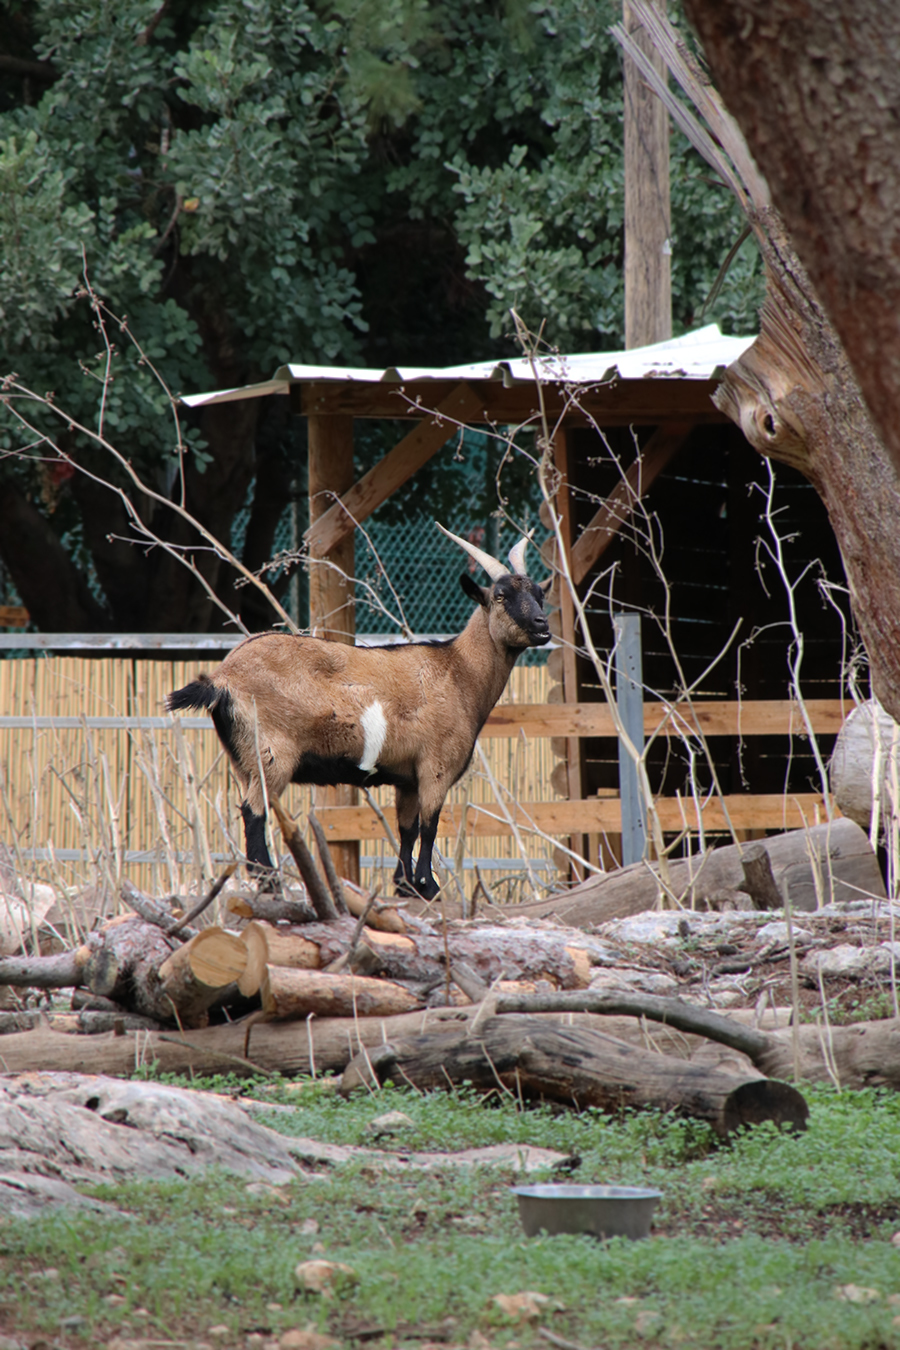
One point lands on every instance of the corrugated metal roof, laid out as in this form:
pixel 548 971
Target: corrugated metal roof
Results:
pixel 701 355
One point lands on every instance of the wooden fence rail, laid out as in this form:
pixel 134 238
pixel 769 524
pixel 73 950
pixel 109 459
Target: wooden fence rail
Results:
pixel 88 760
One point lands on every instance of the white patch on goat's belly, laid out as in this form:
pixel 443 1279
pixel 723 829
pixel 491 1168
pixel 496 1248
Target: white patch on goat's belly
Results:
pixel 374 725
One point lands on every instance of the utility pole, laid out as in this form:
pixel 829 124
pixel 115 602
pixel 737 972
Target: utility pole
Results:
pixel 648 249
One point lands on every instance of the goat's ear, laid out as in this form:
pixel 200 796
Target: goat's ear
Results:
pixel 480 594
pixel 545 585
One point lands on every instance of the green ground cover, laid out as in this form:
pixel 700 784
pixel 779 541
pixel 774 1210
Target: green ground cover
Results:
pixel 772 1240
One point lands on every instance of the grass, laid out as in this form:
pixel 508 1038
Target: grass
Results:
pixel 773 1240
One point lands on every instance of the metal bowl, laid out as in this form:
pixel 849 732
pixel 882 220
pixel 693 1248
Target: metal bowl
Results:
pixel 603 1211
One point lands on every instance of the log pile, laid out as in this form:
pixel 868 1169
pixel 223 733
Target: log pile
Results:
pixel 516 1007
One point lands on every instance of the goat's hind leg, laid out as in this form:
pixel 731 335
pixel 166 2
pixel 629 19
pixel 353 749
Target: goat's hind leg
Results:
pixel 259 860
pixel 408 826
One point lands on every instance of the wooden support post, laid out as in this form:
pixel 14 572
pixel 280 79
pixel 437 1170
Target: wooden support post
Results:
pixel 567 619
pixel 331 606
pixel 630 703
pixel 648 284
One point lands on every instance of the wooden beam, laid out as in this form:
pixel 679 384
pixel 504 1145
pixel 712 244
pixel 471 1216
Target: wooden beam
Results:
pixel 615 403
pixel 331 586
pixel 407 457
pixel 763 717
pixel 597 815
pixel 612 515
pixel 648 251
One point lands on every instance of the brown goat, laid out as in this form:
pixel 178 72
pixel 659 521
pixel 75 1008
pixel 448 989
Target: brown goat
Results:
pixel 306 710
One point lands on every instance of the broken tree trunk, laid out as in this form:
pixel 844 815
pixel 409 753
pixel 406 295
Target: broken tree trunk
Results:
pixel 827 134
pixel 845 863
pixel 815 89
pixel 527 1058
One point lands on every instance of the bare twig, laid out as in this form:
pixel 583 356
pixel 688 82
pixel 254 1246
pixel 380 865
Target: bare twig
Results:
pixel 203 904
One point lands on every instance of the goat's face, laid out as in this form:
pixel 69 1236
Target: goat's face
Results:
pixel 515 607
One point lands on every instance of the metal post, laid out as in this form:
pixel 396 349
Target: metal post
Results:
pixel 630 703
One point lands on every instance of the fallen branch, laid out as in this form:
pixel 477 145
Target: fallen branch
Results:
pixel 579 1066
pixel 331 876
pixel 152 910
pixel 296 844
pixel 672 1011
pixel 45 972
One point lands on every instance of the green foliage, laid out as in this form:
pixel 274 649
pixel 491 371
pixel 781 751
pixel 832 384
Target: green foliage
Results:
pixel 252 182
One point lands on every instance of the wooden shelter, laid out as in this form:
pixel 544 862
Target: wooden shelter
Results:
pixel 627 428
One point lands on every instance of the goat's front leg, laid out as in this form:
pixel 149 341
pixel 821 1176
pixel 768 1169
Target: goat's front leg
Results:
pixel 424 883
pixel 408 825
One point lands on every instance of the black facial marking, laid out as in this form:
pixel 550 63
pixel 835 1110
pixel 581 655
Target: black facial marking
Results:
pixel 523 601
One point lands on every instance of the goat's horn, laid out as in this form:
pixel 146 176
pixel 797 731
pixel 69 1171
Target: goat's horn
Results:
pixel 494 569
pixel 517 554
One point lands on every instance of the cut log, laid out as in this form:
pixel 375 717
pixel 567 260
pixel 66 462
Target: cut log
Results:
pixel 186 996
pixel 493 953
pixel 297 993
pixel 135 965
pixel 291 908
pixel 254 939
pixel 123 967
pixel 868 735
pixel 381 916
pixel 526 1057
pixel 845 860
pixel 216 957
pixel 286 948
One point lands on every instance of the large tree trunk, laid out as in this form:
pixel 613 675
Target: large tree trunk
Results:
pixel 796 399
pixel 54 591
pixel 815 89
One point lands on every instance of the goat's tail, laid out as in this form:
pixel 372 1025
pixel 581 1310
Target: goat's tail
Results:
pixel 200 693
